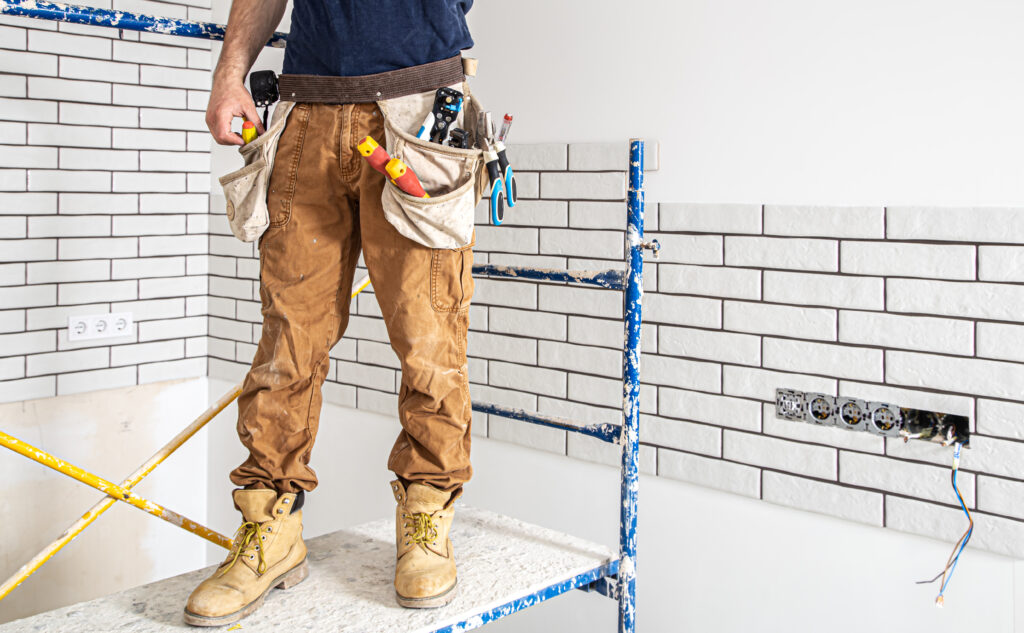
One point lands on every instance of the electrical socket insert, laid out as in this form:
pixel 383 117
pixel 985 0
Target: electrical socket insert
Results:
pixel 879 418
pixel 821 409
pixel 93 326
pixel 853 413
pixel 885 419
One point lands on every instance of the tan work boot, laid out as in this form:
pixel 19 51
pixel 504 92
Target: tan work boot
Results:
pixel 267 552
pixel 425 567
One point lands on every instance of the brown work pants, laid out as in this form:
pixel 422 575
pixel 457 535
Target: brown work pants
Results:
pixel 325 204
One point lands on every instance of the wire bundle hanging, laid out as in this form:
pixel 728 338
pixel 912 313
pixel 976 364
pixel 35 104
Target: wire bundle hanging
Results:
pixel 954 557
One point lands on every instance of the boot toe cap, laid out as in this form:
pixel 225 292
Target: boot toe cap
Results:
pixel 424 585
pixel 214 600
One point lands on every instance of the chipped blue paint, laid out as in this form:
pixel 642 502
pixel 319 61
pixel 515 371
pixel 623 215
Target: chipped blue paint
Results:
pixel 77 14
pixel 631 388
pixel 607 432
pixel 614 279
pixel 608 569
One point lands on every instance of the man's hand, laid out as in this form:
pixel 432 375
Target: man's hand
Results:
pixel 250 25
pixel 228 100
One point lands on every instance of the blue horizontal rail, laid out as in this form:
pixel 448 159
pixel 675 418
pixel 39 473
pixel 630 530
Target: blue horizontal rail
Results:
pixel 614 279
pixel 577 582
pixel 606 432
pixel 78 14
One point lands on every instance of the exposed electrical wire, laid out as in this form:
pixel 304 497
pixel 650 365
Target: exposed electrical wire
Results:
pixel 954 557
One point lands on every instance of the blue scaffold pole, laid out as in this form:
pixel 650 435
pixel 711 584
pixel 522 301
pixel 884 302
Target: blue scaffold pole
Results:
pixel 78 14
pixel 631 388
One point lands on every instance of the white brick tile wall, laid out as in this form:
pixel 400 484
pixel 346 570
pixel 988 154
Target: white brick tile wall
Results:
pixel 721 411
pixel 906 332
pixel 694 311
pixel 791 321
pixel 769 452
pixel 539 157
pixel 760 384
pixel 710 218
pixel 685 249
pixel 827 435
pixel 815 496
pixel 734 283
pixel 583 185
pixel 905 478
pixel 866 222
pixel 992 533
pixel 594 450
pixel 1002 419
pixel 956 224
pixel 1001 496
pixel 823 359
pixel 903 259
pixel 740 349
pixel 577 300
pixel 772 252
pixel 981 377
pixel 679 434
pixel 681 372
pixel 861 293
pixel 711 473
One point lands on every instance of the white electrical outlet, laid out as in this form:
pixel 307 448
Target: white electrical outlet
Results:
pixel 93 326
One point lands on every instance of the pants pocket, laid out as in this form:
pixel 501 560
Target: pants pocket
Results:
pixel 451 278
pixel 245 190
pixel 453 177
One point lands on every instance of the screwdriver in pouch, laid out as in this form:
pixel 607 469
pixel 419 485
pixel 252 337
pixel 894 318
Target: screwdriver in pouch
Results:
pixel 405 179
pixel 374 154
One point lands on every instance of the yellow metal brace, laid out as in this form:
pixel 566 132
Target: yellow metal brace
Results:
pixel 116 493
pixel 122 492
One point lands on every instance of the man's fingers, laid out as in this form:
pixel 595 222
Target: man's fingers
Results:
pixel 253 115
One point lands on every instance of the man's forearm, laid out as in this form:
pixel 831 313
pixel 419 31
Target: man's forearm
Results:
pixel 250 25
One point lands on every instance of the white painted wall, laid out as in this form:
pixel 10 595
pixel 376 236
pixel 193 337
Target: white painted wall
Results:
pixel 802 101
pixel 709 561
pixel 109 433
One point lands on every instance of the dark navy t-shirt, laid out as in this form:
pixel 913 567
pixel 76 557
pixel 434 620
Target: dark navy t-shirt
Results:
pixel 362 37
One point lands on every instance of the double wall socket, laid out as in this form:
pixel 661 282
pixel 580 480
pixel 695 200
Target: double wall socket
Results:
pixel 880 418
pixel 93 326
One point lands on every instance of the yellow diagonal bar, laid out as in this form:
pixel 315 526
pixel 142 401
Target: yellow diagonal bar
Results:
pixel 106 503
pixel 110 488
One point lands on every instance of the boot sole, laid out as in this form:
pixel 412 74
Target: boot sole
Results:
pixel 430 602
pixel 289 579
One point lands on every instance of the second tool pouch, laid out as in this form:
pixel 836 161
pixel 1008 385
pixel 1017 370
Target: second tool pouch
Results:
pixel 453 177
pixel 245 190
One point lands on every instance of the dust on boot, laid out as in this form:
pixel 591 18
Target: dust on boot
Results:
pixel 425 564
pixel 267 552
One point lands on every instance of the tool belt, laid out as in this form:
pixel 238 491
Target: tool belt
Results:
pixel 372 88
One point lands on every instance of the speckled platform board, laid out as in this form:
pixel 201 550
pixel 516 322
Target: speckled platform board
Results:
pixel 349 588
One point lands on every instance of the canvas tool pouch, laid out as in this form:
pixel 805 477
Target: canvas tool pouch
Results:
pixel 453 177
pixel 245 190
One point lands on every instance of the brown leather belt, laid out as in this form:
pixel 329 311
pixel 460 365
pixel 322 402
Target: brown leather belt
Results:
pixel 370 88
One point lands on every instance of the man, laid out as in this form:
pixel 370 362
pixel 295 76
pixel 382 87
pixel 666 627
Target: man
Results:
pixel 324 203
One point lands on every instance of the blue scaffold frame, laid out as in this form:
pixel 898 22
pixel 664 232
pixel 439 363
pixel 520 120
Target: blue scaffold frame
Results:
pixel 617 578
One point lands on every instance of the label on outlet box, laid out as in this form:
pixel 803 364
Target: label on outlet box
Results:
pixel 85 327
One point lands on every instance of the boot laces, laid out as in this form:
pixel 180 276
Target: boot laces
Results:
pixel 246 539
pixel 420 528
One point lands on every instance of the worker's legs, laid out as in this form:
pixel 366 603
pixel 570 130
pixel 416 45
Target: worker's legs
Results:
pixel 307 260
pixel 424 295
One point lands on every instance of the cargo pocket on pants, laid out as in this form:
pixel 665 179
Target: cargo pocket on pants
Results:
pixel 451 278
pixel 450 175
pixel 245 190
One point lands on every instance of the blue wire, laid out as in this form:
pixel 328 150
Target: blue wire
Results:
pixel 970 530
